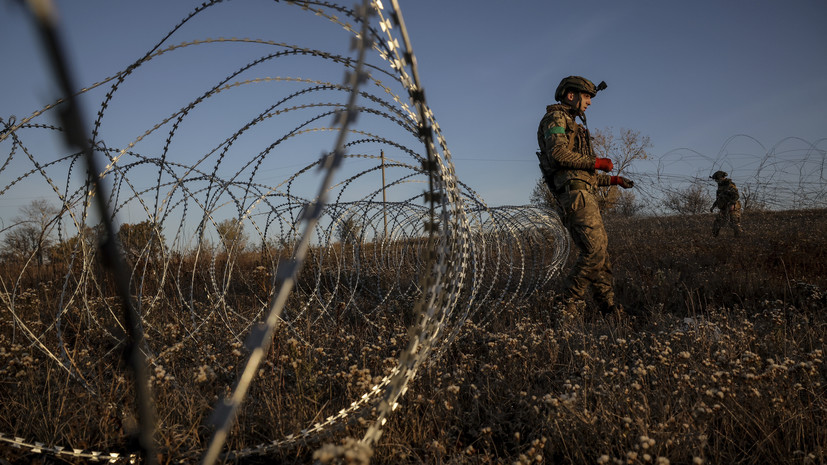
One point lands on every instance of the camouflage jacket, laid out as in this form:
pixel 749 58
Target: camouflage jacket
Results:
pixel 565 152
pixel 727 194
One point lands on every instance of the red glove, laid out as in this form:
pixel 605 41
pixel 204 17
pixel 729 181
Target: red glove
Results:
pixel 603 164
pixel 625 183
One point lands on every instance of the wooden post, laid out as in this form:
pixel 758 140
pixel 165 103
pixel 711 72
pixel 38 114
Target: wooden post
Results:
pixel 384 198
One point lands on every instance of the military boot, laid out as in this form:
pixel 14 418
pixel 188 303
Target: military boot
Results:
pixel 609 308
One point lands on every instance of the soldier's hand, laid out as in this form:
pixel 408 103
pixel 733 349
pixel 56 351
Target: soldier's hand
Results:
pixel 625 183
pixel 603 164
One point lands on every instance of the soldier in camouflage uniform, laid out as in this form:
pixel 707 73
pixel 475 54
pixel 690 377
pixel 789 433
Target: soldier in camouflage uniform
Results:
pixel 569 169
pixel 729 207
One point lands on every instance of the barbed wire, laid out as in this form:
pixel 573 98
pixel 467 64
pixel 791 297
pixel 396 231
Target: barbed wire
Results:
pixel 789 175
pixel 206 204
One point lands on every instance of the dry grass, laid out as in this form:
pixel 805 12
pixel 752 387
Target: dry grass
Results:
pixel 723 364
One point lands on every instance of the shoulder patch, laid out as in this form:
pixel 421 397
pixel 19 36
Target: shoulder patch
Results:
pixel 554 130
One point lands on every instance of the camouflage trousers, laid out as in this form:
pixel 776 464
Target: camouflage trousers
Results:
pixel 730 216
pixel 593 269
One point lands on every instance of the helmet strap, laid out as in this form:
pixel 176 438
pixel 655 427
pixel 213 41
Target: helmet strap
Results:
pixel 581 113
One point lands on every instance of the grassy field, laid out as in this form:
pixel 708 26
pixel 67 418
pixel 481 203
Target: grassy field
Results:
pixel 722 362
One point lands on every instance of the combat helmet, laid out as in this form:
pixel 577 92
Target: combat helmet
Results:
pixel 718 175
pixel 579 84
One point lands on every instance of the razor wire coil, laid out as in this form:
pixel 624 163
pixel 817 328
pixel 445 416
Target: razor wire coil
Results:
pixel 275 212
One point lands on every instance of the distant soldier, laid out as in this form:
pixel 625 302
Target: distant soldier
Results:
pixel 729 207
pixel 569 169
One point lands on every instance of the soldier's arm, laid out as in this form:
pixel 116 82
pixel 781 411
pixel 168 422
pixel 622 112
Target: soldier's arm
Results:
pixel 557 144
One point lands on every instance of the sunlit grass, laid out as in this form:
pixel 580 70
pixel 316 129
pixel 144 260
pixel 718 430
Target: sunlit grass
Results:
pixel 723 362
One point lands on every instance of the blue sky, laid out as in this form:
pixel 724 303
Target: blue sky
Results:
pixel 690 75
pixel 687 74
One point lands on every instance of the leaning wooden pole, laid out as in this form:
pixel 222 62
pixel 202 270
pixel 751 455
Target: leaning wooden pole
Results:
pixel 384 198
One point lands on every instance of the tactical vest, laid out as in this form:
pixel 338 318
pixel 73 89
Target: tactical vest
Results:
pixel 578 137
pixel 727 193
